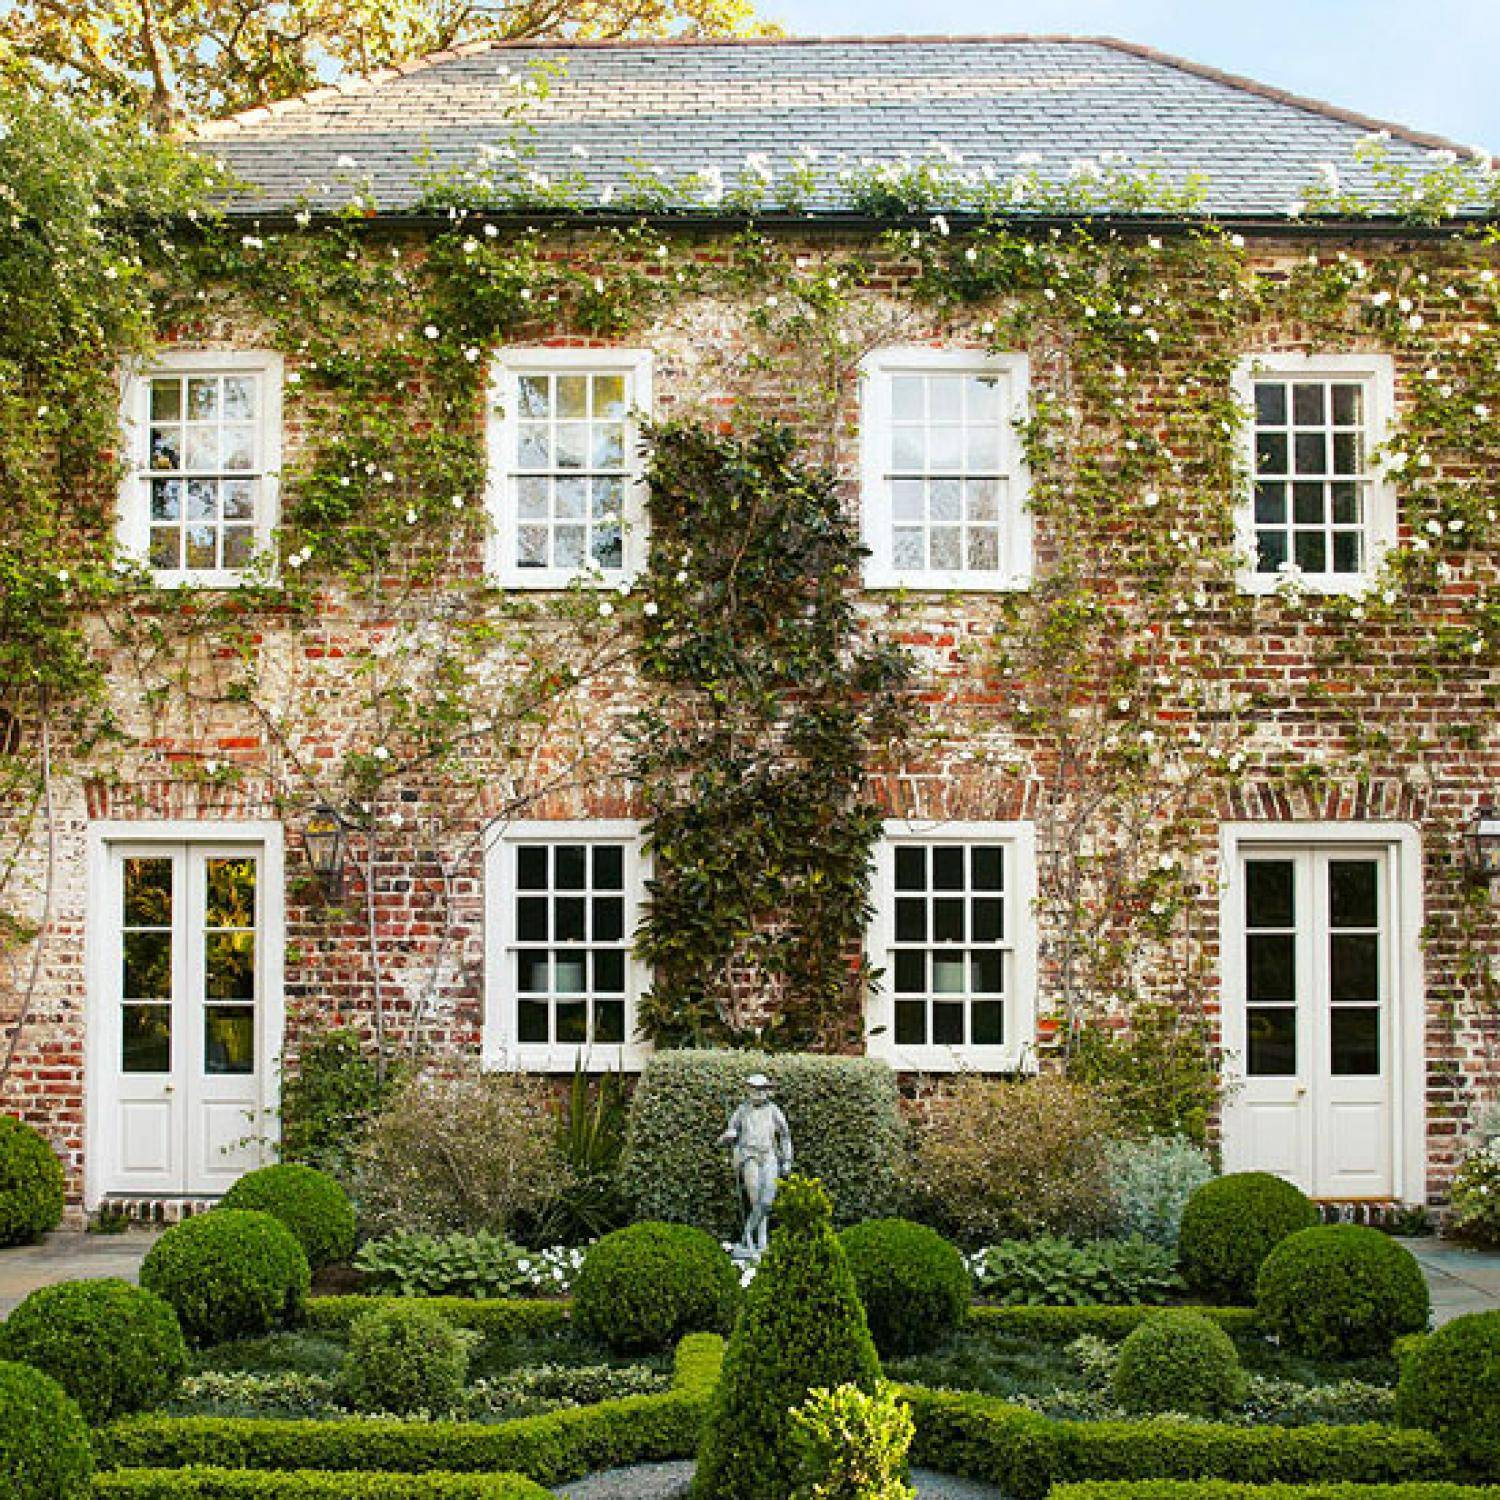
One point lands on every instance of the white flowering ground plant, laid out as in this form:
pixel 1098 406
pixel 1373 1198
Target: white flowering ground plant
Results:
pixel 1474 1202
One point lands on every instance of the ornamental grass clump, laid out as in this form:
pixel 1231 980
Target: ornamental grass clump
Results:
pixel 802 1329
pixel 996 1159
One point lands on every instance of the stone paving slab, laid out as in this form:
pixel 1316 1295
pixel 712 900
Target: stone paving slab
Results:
pixel 70 1255
pixel 1461 1279
pixel 673 1481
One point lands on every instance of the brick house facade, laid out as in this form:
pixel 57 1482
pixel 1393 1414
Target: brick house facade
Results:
pixel 1308 774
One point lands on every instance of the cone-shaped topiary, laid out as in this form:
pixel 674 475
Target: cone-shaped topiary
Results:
pixel 802 1329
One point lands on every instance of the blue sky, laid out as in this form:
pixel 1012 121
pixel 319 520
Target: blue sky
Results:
pixel 1430 64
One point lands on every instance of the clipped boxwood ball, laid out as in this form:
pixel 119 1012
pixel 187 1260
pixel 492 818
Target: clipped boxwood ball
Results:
pixel 1450 1384
pixel 1341 1291
pixel 403 1358
pixel 113 1347
pixel 644 1287
pixel 913 1283
pixel 309 1202
pixel 1229 1227
pixel 31 1184
pixel 229 1274
pixel 45 1453
pixel 1178 1361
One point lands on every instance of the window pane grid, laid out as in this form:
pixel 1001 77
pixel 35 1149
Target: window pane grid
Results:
pixel 945 472
pixel 1271 967
pixel 571 943
pixel 571 468
pixel 204 471
pixel 146 970
pixel 229 967
pixel 950 952
pixel 1311 473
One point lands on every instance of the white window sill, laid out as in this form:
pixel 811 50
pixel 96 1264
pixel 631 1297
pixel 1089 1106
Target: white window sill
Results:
pixel 1019 1057
pixel 946 583
pixel 216 579
pixel 531 1058
pixel 556 580
pixel 1269 584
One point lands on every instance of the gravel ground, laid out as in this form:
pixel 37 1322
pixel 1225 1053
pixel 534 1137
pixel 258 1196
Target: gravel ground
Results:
pixel 672 1481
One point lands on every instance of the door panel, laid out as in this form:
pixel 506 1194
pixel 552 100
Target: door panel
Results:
pixel 181 1055
pixel 1309 986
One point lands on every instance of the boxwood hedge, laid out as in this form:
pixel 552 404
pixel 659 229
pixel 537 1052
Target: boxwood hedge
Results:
pixel 1229 1489
pixel 845 1115
pixel 549 1449
pixel 980 1437
pixel 307 1484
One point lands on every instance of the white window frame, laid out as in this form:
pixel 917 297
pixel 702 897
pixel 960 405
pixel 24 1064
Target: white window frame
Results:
pixel 876 370
pixel 501 1047
pixel 1018 1052
pixel 1377 373
pixel 502 433
pixel 134 506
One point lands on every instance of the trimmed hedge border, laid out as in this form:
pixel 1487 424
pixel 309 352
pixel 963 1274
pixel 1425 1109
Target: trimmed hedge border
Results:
pixel 1227 1489
pixel 550 1449
pixel 509 1318
pixel 1061 1325
pixel 981 1437
pixel 500 1319
pixel 309 1484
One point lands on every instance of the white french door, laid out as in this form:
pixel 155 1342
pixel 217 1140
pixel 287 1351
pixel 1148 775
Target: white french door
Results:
pixel 1316 1016
pixel 185 1035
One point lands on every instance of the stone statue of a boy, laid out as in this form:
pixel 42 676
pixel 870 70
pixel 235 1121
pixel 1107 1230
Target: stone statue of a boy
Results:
pixel 762 1156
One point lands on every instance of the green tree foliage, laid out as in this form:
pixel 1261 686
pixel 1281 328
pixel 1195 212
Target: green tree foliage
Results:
pixel 802 1329
pixel 178 60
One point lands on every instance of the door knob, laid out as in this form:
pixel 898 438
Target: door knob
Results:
pixel 166 1088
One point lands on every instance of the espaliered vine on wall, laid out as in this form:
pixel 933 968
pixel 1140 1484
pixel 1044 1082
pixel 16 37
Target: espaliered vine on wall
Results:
pixel 753 762
pixel 1125 683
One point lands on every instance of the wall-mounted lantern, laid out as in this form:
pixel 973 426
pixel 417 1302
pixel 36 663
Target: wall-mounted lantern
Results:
pixel 1482 843
pixel 323 839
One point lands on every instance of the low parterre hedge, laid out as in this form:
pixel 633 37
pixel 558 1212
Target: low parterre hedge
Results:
pixel 499 1321
pixel 1229 1489
pixel 981 1437
pixel 1061 1325
pixel 309 1484
pixel 560 1446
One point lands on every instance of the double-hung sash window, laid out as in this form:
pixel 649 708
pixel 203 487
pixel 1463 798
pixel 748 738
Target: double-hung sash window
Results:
pixel 954 939
pixel 943 485
pixel 1319 510
pixel 564 899
pixel 203 429
pixel 565 465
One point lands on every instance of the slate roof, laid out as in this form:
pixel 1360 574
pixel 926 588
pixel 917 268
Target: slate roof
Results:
pixel 1004 104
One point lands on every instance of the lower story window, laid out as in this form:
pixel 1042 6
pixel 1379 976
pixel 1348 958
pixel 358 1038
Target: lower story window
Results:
pixel 954 943
pixel 564 900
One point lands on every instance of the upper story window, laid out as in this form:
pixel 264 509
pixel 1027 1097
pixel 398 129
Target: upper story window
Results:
pixel 565 464
pixel 564 900
pixel 943 485
pixel 954 936
pixel 199 500
pixel 1319 510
